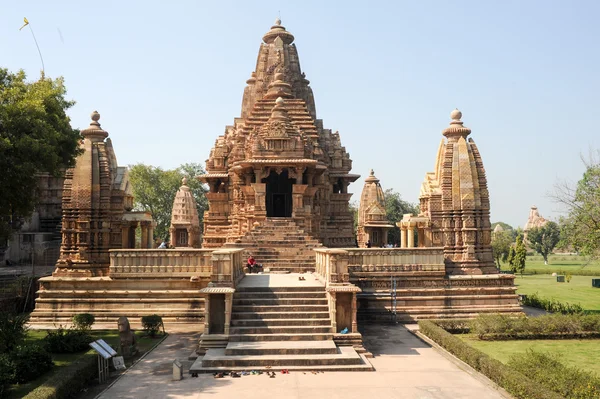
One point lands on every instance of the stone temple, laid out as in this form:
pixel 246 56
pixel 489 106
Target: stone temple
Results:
pixel 278 190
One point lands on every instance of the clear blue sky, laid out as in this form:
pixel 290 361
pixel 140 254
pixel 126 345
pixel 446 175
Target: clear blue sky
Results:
pixel 168 76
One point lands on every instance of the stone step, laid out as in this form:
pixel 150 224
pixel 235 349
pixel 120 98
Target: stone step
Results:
pixel 279 295
pixel 278 315
pixel 217 357
pixel 280 337
pixel 281 348
pixel 280 308
pixel 280 289
pixel 280 322
pixel 278 301
pixel 281 330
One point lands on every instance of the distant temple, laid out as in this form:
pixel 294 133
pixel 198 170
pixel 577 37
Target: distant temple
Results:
pixel 534 220
pixel 278 190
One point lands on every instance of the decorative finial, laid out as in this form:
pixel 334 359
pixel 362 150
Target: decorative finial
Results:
pixel 184 181
pixel 278 21
pixel 279 101
pixel 456 114
pixel 372 172
pixel 95 116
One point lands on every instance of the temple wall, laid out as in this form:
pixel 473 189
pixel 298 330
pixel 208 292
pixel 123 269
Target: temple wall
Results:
pixel 423 288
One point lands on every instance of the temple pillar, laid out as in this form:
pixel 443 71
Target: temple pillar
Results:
pixel 402 237
pixel 228 305
pixel 151 236
pixel 144 241
pixel 354 309
pixel 125 237
pixel 411 237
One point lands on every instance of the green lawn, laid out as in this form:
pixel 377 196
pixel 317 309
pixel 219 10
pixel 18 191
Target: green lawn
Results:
pixel 579 290
pixel 63 359
pixel 560 264
pixel 581 353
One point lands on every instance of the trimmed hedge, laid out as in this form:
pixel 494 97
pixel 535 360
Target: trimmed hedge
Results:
pixel 551 305
pixel 552 326
pixel 69 381
pixel 547 370
pixel 152 325
pixel 512 381
pixel 69 340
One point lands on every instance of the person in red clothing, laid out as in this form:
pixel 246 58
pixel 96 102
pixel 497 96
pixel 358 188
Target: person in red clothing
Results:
pixel 252 265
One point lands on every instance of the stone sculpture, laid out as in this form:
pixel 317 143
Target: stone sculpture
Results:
pixel 128 339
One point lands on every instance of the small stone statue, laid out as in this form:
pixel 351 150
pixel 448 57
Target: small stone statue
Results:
pixel 128 340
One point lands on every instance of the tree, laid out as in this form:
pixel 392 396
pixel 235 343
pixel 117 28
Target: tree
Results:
pixel 154 190
pixel 353 208
pixel 35 137
pixel 519 255
pixel 395 208
pixel 544 239
pixel 511 257
pixel 501 242
pixel 506 227
pixel 582 202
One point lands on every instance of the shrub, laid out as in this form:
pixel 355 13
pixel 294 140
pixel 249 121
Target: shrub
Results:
pixel 548 371
pixel 568 277
pixel 30 361
pixel 83 321
pixel 514 382
pixel 69 381
pixel 551 305
pixel 7 374
pixel 497 326
pixel 69 340
pixel 152 324
pixel 12 330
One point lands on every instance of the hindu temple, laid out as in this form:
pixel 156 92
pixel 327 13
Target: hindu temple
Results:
pixel 278 189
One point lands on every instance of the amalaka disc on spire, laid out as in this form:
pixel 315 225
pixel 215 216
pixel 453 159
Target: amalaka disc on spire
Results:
pixel 94 132
pixel 278 30
pixel 456 128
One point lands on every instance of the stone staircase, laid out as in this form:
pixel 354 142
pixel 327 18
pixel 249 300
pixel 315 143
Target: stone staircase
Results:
pixel 281 328
pixel 280 246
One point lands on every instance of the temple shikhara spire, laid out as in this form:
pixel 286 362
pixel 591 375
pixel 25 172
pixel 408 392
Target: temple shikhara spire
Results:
pixel 277 160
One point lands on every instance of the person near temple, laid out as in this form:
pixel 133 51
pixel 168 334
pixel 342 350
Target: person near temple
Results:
pixel 252 265
pixel 368 244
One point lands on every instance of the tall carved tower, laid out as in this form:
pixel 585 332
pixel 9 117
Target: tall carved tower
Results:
pixel 372 218
pixel 277 160
pixel 456 199
pixel 96 196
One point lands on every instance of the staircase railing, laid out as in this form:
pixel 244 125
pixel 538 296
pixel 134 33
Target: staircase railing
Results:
pixel 331 266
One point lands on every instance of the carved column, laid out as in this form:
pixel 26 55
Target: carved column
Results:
pixel 402 236
pixel 151 236
pixel 354 309
pixel 333 310
pixel 228 304
pixel 144 241
pixel 411 236
pixel 125 237
pixel 207 313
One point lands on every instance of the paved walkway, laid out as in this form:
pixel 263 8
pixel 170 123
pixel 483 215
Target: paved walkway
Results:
pixel 406 368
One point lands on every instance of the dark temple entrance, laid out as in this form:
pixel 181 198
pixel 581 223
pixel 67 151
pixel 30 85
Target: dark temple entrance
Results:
pixel 279 195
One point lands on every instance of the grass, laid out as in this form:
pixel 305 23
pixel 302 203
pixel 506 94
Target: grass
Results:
pixel 579 290
pixel 581 353
pixel 559 264
pixel 63 359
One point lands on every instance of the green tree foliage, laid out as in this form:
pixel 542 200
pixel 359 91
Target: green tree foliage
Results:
pixel 395 208
pixel 506 227
pixel 582 225
pixel 35 137
pixel 544 239
pixel 517 261
pixel 353 208
pixel 154 190
pixel 511 256
pixel 501 242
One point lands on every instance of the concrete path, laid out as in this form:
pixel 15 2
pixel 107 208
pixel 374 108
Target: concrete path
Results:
pixel 406 368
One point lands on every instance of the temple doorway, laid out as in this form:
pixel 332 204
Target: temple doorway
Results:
pixel 279 195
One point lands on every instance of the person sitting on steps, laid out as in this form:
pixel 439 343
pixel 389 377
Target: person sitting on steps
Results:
pixel 252 266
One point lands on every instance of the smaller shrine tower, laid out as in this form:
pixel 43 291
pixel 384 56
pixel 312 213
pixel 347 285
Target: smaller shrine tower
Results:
pixel 185 224
pixel 373 225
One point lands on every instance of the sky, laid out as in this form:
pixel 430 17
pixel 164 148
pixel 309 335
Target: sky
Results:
pixel 167 77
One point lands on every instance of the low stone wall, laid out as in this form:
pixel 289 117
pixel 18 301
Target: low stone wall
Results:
pixel 407 284
pixel 160 263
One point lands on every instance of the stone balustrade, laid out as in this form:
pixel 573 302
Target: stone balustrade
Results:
pixel 391 260
pixel 161 263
